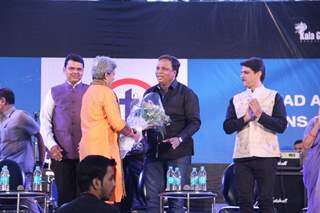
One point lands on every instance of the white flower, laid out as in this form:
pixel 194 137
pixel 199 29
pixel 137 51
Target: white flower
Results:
pixel 148 114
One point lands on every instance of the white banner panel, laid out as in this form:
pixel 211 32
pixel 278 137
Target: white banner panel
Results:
pixel 133 76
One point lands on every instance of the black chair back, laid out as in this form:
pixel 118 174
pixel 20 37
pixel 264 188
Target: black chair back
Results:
pixel 16 174
pixel 228 186
pixel 16 179
pixel 229 191
pixel 141 195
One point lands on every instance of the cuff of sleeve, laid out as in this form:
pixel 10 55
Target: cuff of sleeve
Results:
pixel 242 123
pixel 260 119
pixel 50 144
pixel 182 137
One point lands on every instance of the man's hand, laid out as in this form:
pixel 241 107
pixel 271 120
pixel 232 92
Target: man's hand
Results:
pixel 56 153
pixel 174 142
pixel 313 134
pixel 135 135
pixel 247 117
pixel 255 107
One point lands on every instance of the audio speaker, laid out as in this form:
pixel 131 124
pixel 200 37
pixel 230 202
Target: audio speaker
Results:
pixel 289 192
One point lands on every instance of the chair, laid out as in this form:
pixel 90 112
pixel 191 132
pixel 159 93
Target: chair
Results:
pixel 16 179
pixel 141 196
pixel 16 175
pixel 230 193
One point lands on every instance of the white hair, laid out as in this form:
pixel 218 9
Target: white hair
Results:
pixel 101 66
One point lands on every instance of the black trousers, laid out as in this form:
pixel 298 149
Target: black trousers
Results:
pixel 66 179
pixel 263 172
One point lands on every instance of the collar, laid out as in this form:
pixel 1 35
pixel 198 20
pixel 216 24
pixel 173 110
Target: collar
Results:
pixel 75 85
pixel 9 112
pixel 89 194
pixel 99 82
pixel 173 85
pixel 256 90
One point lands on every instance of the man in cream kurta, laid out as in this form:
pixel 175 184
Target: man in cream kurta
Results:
pixel 256 114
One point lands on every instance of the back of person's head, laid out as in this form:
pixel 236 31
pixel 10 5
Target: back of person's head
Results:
pixel 8 95
pixel 256 64
pixel 92 166
pixel 174 62
pixel 73 57
pixel 102 65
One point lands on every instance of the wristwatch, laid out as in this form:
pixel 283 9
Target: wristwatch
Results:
pixel 180 139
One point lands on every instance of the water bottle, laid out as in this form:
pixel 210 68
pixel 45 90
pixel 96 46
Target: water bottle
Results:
pixel 177 178
pixel 4 179
pixel 202 179
pixel 170 179
pixel 194 179
pixel 37 180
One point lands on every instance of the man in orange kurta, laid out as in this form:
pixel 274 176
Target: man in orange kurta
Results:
pixel 101 123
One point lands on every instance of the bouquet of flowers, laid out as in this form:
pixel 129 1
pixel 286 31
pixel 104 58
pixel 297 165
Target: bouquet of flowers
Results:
pixel 145 114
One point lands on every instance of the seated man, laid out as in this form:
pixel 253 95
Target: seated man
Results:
pixel 298 146
pixel 16 131
pixel 96 182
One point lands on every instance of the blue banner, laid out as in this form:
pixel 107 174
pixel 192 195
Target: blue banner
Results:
pixel 22 75
pixel 216 81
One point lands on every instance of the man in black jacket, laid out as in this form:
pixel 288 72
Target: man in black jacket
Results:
pixel 176 147
pixel 256 115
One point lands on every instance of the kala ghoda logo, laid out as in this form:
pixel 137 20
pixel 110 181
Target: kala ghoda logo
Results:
pixel 304 35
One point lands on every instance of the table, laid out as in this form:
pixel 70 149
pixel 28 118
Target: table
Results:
pixel 188 195
pixel 22 195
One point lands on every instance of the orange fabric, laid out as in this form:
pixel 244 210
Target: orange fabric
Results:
pixel 100 124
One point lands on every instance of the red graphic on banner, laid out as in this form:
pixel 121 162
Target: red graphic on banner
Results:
pixel 127 99
pixel 131 81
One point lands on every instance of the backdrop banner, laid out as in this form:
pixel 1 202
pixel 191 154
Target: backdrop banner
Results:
pixel 210 39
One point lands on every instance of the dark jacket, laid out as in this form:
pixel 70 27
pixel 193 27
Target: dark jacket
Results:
pixel 182 105
pixel 87 203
